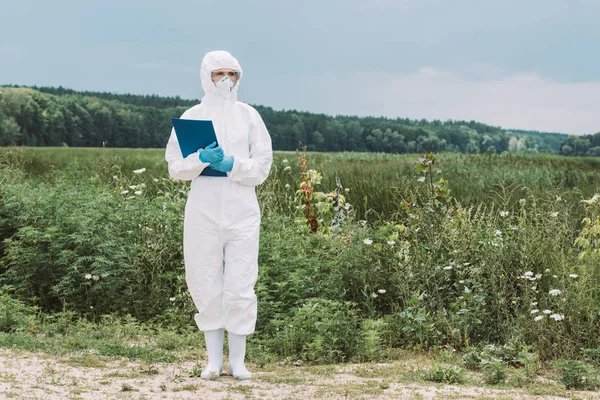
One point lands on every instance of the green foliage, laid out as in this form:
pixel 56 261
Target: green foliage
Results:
pixel 592 356
pixel 494 372
pixel 512 355
pixel 321 331
pixel 495 264
pixel 14 314
pixel 450 375
pixel 63 117
pixel 371 332
pixel 579 375
pixel 472 359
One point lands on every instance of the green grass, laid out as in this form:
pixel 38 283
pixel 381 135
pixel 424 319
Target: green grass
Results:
pixel 376 181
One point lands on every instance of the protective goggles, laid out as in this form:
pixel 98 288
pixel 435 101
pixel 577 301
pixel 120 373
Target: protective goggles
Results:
pixel 221 73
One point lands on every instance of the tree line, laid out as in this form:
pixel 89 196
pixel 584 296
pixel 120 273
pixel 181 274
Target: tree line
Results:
pixel 586 145
pixel 46 116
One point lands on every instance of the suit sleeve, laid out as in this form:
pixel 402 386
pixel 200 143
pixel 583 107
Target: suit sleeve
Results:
pixel 254 170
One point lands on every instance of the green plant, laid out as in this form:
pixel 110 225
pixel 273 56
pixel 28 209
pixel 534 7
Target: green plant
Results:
pixel 579 375
pixel 321 331
pixel 592 356
pixel 371 334
pixel 450 375
pixel 14 314
pixel 494 371
pixel 472 359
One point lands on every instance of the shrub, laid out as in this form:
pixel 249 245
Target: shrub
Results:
pixel 579 375
pixel 321 331
pixel 441 374
pixel 14 314
pixel 494 371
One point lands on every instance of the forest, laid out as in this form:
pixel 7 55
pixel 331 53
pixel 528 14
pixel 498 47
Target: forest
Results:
pixel 47 116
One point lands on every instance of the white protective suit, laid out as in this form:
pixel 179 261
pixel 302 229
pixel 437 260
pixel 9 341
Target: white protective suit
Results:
pixel 222 217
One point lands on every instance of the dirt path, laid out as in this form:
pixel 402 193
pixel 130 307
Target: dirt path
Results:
pixel 26 375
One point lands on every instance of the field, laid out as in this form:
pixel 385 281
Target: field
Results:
pixel 489 264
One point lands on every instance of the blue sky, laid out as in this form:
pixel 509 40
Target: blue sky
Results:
pixel 516 64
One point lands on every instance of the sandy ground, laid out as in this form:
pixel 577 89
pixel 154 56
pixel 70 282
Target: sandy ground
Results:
pixel 26 375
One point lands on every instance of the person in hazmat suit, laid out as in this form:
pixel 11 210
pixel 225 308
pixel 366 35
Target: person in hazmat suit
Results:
pixel 222 216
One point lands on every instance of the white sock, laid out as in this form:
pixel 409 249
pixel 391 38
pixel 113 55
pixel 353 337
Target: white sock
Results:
pixel 214 349
pixel 237 352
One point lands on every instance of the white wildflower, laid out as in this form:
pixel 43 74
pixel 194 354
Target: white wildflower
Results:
pixel 288 168
pixel 535 303
pixel 96 278
pixel 528 274
pixel 498 232
pixel 171 299
pixel 138 192
pixel 125 192
pixel 88 276
pixel 535 311
pixel 533 287
pixel 553 214
pixel 382 291
pixel 132 187
pixel 547 270
pixel 554 276
pixel 448 268
pixel 557 317
pixel 155 180
pixel 554 292
pixel 284 161
pixel 592 200
pixel 539 318
pixel 421 179
pixel 504 213
pixel 139 171
pixel 547 312
pixel 287 185
pixel 538 276
pixel 347 190
pixel 374 295
pixel 368 241
pixel 574 276
pixel 391 242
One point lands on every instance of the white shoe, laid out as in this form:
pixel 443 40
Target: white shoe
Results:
pixel 214 349
pixel 237 352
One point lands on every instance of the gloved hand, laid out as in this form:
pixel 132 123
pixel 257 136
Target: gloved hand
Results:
pixel 224 165
pixel 211 154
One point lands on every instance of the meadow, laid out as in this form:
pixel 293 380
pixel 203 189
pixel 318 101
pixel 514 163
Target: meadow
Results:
pixel 493 257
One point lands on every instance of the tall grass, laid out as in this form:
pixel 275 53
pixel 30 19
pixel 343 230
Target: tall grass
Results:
pixel 377 180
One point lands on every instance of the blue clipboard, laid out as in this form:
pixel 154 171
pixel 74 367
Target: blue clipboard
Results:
pixel 194 134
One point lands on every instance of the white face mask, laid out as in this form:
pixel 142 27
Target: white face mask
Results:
pixel 225 86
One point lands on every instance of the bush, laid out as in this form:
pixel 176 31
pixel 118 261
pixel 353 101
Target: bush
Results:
pixel 441 374
pixel 370 347
pixel 321 331
pixel 14 314
pixel 494 372
pixel 472 359
pixel 579 375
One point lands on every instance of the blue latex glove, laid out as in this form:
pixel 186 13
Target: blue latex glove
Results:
pixel 211 154
pixel 224 165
